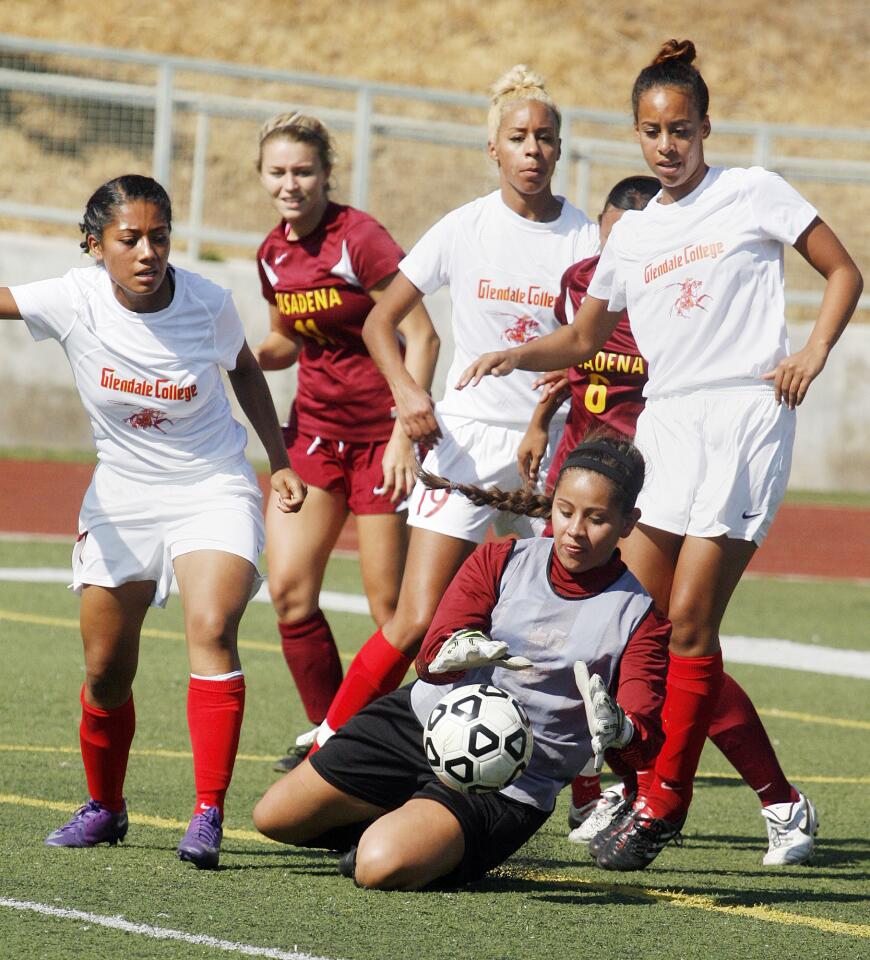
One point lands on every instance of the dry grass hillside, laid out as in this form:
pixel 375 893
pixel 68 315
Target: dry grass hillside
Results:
pixel 797 61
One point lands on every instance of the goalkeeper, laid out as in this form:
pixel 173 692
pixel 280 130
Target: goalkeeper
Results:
pixel 543 619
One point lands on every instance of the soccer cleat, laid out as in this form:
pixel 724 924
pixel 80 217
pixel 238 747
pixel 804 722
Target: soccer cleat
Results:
pixel 578 815
pixel 598 816
pixel 347 864
pixel 296 753
pixel 90 825
pixel 791 829
pixel 201 845
pixel 637 841
pixel 619 815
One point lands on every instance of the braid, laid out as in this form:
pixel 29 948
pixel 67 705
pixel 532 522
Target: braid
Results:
pixel 524 503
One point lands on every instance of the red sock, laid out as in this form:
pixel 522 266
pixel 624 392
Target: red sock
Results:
pixel 214 718
pixel 377 669
pixel 738 732
pixel 105 736
pixel 584 790
pixel 311 655
pixel 692 692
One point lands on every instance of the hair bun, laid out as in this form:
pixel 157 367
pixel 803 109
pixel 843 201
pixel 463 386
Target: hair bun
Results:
pixel 682 50
pixel 517 80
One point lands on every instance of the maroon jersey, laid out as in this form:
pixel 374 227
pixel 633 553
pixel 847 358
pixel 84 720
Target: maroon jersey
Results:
pixel 608 389
pixel 319 283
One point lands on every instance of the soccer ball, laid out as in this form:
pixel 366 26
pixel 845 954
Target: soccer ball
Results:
pixel 478 738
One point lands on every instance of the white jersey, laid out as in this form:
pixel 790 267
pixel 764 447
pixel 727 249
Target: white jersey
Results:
pixel 149 382
pixel 504 273
pixel 702 279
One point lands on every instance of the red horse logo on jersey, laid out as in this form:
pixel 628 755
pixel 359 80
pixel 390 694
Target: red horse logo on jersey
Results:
pixel 688 298
pixel 148 419
pixel 522 330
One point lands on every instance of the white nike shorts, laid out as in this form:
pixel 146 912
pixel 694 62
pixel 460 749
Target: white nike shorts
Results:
pixel 484 454
pixel 718 461
pixel 134 531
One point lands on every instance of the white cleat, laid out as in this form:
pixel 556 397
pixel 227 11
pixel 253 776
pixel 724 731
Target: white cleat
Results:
pixel 596 815
pixel 791 830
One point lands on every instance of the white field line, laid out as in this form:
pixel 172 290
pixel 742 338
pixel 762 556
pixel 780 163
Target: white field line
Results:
pixel 759 651
pixel 329 599
pixel 156 933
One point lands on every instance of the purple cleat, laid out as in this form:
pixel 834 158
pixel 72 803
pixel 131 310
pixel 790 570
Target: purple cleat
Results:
pixel 90 825
pixel 201 845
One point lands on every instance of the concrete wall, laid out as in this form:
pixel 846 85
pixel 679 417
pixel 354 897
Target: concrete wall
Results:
pixel 41 407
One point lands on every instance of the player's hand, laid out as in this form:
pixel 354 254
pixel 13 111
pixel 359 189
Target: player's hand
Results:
pixel 794 374
pixel 465 649
pixel 609 727
pixel 290 490
pixel 415 411
pixel 399 465
pixel 530 453
pixel 552 382
pixel 498 364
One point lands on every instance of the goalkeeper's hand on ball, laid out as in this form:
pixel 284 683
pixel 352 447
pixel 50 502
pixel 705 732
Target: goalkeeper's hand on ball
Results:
pixel 465 649
pixel 609 727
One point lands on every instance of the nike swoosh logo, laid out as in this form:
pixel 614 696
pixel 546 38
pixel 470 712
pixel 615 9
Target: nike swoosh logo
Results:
pixel 281 257
pixel 749 516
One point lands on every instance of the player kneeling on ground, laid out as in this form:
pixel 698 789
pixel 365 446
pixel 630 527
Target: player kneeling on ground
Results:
pixel 542 604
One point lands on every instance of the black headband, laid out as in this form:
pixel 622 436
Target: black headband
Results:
pixel 580 457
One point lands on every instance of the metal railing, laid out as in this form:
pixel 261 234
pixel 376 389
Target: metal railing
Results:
pixel 160 114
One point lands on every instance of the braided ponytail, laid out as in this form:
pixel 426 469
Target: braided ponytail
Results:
pixel 524 503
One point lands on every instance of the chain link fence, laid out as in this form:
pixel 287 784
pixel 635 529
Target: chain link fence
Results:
pixel 72 117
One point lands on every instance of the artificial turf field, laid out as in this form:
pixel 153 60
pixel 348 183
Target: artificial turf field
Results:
pixel 711 898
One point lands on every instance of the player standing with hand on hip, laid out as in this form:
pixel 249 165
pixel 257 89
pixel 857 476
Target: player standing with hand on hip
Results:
pixel 700 271
pixel 502 256
pixel 322 269
pixel 171 493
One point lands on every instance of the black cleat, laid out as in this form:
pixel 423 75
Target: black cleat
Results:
pixel 637 841
pixel 296 752
pixel 620 815
pixel 347 864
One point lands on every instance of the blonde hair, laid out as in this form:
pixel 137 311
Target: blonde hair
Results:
pixel 519 83
pixel 300 128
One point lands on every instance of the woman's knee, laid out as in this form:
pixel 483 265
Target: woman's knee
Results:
pixel 293 597
pixel 380 865
pixel 108 685
pixel 692 633
pixel 408 625
pixel 212 628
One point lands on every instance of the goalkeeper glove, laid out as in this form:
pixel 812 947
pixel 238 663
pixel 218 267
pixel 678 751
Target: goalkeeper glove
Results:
pixel 609 727
pixel 465 649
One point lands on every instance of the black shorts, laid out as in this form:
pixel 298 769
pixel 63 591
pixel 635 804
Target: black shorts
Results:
pixel 378 757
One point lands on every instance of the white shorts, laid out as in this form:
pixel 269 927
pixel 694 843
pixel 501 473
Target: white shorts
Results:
pixel 484 454
pixel 134 531
pixel 717 460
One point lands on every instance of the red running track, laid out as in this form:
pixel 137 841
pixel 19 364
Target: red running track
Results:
pixel 809 540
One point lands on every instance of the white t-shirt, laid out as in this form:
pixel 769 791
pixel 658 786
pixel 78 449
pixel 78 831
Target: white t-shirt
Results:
pixel 702 279
pixel 149 382
pixel 503 272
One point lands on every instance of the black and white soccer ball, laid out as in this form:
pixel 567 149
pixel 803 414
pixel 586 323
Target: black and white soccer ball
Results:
pixel 478 738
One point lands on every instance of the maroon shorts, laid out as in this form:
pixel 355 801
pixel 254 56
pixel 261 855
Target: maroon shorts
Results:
pixel 343 466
